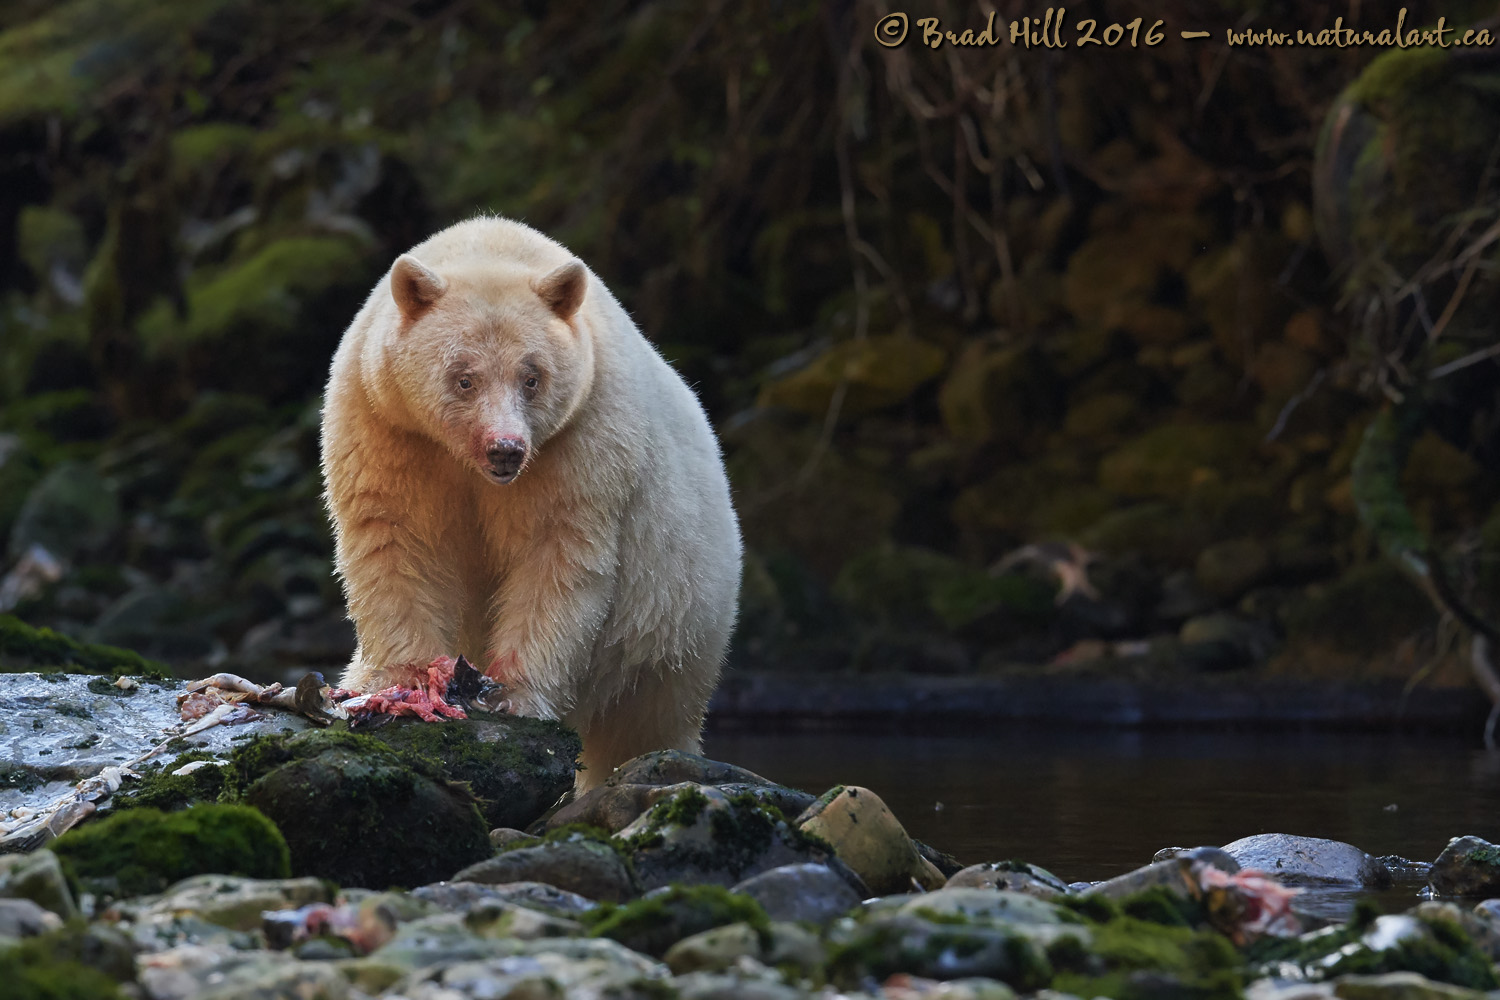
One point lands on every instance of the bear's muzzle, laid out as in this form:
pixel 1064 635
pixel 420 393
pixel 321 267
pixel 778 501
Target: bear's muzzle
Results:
pixel 505 457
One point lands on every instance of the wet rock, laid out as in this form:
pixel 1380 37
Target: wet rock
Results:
pixel 672 767
pixel 22 918
pixel 1013 876
pixel 807 893
pixel 506 836
pixel 575 863
pixel 37 876
pixel 780 945
pixel 1174 874
pixel 1468 866
pixel 700 835
pixel 355 811
pixel 460 897
pixel 1309 860
pixel 1215 856
pixel 870 840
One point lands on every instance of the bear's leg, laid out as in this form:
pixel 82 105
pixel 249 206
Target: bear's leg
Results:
pixel 406 603
pixel 663 711
pixel 547 617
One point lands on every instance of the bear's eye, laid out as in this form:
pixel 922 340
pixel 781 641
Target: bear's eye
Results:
pixel 531 382
pixel 466 383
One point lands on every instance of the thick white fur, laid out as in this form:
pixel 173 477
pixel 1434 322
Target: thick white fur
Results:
pixel 601 583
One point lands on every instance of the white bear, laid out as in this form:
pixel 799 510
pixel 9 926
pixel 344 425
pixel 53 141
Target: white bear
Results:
pixel 515 474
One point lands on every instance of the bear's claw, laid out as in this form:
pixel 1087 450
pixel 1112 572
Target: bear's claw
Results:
pixel 443 681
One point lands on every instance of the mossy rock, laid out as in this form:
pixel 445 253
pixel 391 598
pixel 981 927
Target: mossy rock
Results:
pixel 1133 959
pixel 1166 460
pixel 517 767
pixel 1368 945
pixel 1029 501
pixel 1366 611
pixel 144 850
pixel 1160 531
pixel 936 948
pixel 998 394
pixel 24 648
pixel 652 925
pixel 912 587
pixel 76 962
pixel 702 835
pixel 256 297
pixel 163 789
pixel 877 372
pixel 354 810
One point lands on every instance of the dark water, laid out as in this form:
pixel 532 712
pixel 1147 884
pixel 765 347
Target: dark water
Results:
pixel 1088 805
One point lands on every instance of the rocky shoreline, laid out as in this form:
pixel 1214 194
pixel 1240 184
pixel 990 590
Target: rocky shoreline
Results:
pixel 275 859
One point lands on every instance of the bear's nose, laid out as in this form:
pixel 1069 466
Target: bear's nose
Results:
pixel 505 456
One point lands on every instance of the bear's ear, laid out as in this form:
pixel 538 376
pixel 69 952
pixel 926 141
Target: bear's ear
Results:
pixel 415 286
pixel 563 289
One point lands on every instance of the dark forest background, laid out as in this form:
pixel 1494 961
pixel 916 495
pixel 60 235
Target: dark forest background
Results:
pixel 1162 359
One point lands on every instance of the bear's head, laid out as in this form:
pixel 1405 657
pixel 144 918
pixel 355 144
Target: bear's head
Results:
pixel 490 360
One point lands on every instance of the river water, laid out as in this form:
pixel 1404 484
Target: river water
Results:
pixel 1091 804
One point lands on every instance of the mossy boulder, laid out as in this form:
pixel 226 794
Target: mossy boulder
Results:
pixel 1468 866
pixel 1166 461
pixel 144 850
pixel 516 767
pixel 23 648
pixel 76 962
pixel 998 393
pixel 700 834
pixel 354 810
pixel 654 924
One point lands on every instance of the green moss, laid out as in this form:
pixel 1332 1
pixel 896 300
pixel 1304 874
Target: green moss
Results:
pixel 1129 958
pixel 168 792
pixel 355 810
pixel 255 297
pixel 1447 956
pixel 654 924
pixel 145 850
pixel 517 767
pixel 1399 74
pixel 23 647
pixel 73 963
pixel 1160 905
